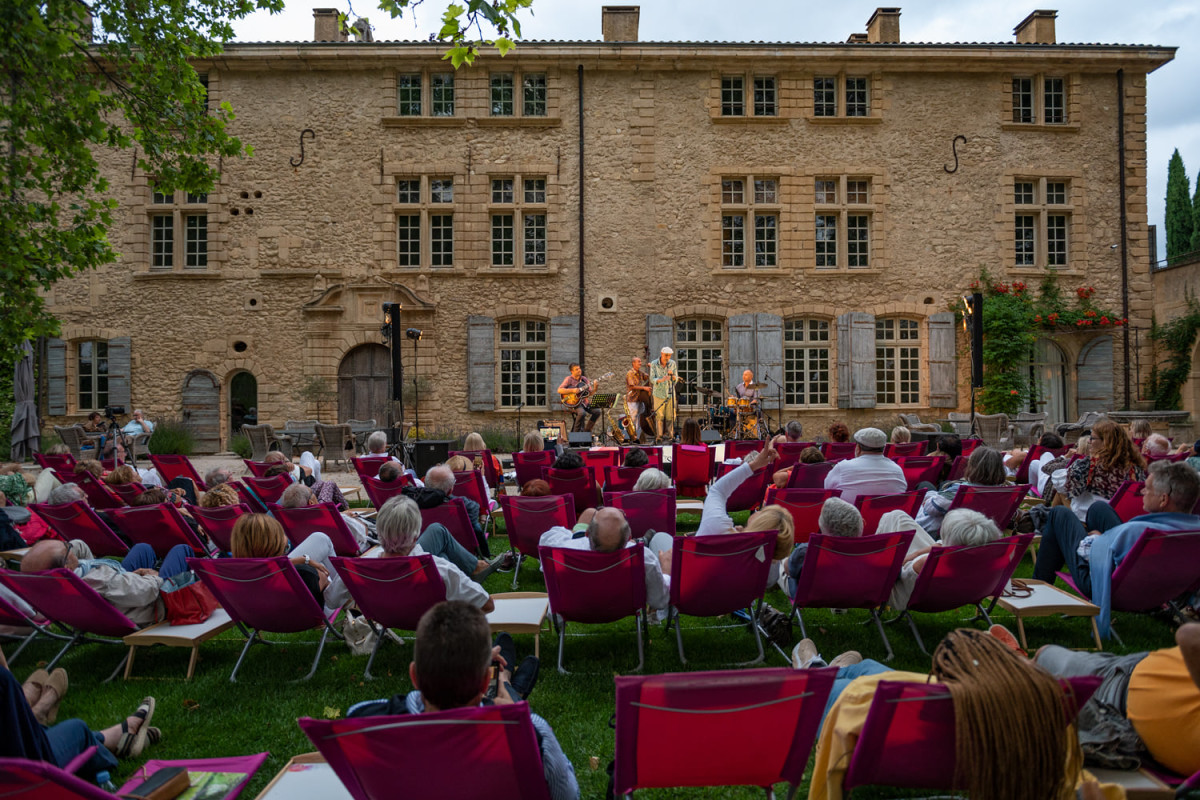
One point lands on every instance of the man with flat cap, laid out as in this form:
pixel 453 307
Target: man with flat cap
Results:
pixel 870 472
pixel 663 374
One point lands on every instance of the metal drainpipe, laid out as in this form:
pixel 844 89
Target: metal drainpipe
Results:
pixel 582 181
pixel 1124 232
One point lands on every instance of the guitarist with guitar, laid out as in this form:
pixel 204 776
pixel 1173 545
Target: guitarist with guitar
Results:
pixel 574 391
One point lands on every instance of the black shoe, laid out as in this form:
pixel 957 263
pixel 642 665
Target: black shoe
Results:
pixel 501 563
pixel 525 678
pixel 508 650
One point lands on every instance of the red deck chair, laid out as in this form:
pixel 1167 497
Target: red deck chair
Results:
pixel 1160 567
pixel 218 522
pixel 622 479
pixel 693 465
pixel 832 450
pixel 258 469
pixel 528 466
pixel 907 739
pixel 1127 500
pixel 874 506
pixel 850 573
pixel 904 449
pixel 809 476
pixel 20 777
pixel 13 616
pixel 161 526
pixel 268 490
pixel 109 464
pixel 368 466
pixel 61 596
pixel 263 594
pixel 379 492
pixel 248 498
pixel 740 448
pixel 498 743
pixel 391 592
pixel 55 461
pixel 647 510
pixel 750 493
pixel 1031 455
pixel 494 478
pixel 128 492
pixel 579 483
pixel 453 514
pixel 527 518
pixel 172 467
pixel 738 728
pixel 789 453
pixel 958 469
pixel 76 520
pixel 654 454
pixel 716 575
pixel 805 506
pixel 595 589
pixel 470 485
pixel 997 503
pixel 601 457
pixel 920 468
pixel 98 494
pixel 969 445
pixel 300 523
pixel 1173 457
pixel 952 577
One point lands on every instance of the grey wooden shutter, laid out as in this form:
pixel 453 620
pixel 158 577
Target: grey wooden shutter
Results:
pixel 769 344
pixel 119 368
pixel 741 347
pixel 856 360
pixel 481 363
pixel 943 361
pixel 660 333
pixel 56 377
pixel 1094 375
pixel 564 349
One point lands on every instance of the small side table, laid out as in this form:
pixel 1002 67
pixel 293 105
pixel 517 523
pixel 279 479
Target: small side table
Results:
pixel 1046 601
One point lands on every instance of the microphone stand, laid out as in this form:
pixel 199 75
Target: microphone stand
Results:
pixel 518 431
pixel 778 405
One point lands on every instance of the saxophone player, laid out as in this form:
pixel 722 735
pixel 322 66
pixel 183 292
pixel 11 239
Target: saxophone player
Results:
pixel 636 390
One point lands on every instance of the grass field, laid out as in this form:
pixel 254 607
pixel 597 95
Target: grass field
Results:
pixel 208 716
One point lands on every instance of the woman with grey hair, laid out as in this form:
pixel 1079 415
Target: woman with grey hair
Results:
pixel 985 467
pixel 960 527
pixel 652 479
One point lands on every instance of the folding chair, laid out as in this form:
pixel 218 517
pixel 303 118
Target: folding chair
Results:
pixel 952 577
pixel 1159 568
pixel 969 445
pixel 601 457
pixel 740 448
pixel 727 728
pixel 21 777
pixel 470 485
pixel 476 753
pixel 300 523
pixel 576 482
pixel 958 469
pixel 1032 455
pixel 716 575
pixel 622 479
pixel 391 592
pixel 161 526
pixel 379 492
pixel 805 506
pixel 595 589
pixel 368 466
pixel 809 476
pixel 1127 500
pixel 453 514
pixel 750 493
pixel 527 518
pixel 263 594
pixel 789 453
pixel 98 494
pixel 850 573
pixel 997 503
pixel 61 596
pixel 874 506
pixel 128 492
pixel 268 490
pixel 693 464
pixel 257 468
pixel 55 461
pixel 654 454
pixel 646 511
pixel 920 469
pixel 171 467
pixel 494 479
pixel 218 523
pixel 832 450
pixel 12 616
pixel 248 498
pixel 902 449
pixel 529 466
pixel 76 520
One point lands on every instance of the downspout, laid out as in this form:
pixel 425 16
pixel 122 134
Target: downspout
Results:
pixel 581 189
pixel 1124 232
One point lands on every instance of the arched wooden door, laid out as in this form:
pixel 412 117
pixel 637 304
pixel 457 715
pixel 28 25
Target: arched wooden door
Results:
pixel 363 379
pixel 1095 375
pixel 202 410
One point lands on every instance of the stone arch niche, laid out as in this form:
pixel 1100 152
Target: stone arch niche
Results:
pixel 243 401
pixel 202 409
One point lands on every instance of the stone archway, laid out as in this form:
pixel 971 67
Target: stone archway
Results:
pixel 364 379
pixel 1048 375
pixel 243 401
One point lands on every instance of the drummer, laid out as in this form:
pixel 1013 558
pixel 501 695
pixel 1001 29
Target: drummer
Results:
pixel 746 390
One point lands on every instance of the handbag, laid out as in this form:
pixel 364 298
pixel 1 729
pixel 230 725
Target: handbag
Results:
pixel 187 601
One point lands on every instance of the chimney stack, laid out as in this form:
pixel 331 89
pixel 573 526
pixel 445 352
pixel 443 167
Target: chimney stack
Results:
pixel 1037 28
pixel 884 26
pixel 325 26
pixel 620 23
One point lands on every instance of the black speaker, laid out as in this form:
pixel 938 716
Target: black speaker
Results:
pixel 395 334
pixel 430 453
pixel 579 439
pixel 977 340
pixel 710 436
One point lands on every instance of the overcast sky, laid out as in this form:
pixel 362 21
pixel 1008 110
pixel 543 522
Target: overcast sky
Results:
pixel 1174 90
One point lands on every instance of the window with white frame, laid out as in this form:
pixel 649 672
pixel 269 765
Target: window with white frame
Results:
pixel 421 94
pixel 843 207
pixel 699 353
pixel 502 94
pixel 178 230
pixel 424 211
pixel 518 221
pixel 1039 99
pixel 92 374
pixel 749 96
pixel 749 215
pixel 841 96
pixel 897 362
pixel 523 363
pixel 806 362
pixel 1041 222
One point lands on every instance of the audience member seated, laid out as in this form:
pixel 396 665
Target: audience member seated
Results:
pixel 308 470
pixel 1091 552
pixel 569 459
pixel 398 525
pixel 1109 460
pixel 1193 460
pixel 869 472
pixel 13 484
pixel 838 518
pixel 299 496
pixel 652 479
pixel 636 457
pixel 1147 703
pixel 809 455
pixel 1140 430
pixel 464 464
pixel 901 435
pixel 473 441
pixel 91 466
pixel 1037 478
pixel 451 668
pixel 439 483
pixel 390 471
pixel 219 496
pixel 535 488
pixel 47 481
pixel 985 467
pixel 217 476
pixel 962 526
pixel 377 445
pixel 1156 446
pixel 794 431
pixel 324 491
pixel 837 432
pixel 949 447
pixel 261 536
pixel 66 493
pixel 691 432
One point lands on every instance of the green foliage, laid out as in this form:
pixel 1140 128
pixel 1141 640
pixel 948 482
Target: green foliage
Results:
pixel 459 19
pixel 172 437
pixel 8 360
pixel 1177 338
pixel 1179 216
pixel 1195 248
pixel 318 391
pixel 500 440
pixel 240 444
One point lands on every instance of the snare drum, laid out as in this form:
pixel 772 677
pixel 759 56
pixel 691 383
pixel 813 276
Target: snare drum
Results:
pixel 731 402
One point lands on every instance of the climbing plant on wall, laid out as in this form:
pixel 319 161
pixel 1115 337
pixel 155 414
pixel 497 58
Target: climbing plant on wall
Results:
pixel 1175 340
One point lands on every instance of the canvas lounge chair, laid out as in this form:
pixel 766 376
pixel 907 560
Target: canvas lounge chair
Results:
pixel 622 479
pixel 838 450
pixel 494 479
pixel 160 526
pixel 527 518
pixel 300 523
pixel 805 506
pixel 453 514
pixel 171 467
pixel 997 503
pixel 749 494
pixel 920 469
pixel 646 510
pixel 579 483
pixel 694 467
pixel 368 466
pixel 874 506
pixel 76 520
pixel 529 466
pixel 268 490
pixel 218 523
pixel 809 476
pixel 23 778
pixel 379 492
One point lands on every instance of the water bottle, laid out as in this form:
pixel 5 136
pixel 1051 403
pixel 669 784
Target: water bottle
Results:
pixel 105 782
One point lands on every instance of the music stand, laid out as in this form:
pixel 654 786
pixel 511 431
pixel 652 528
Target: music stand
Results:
pixel 604 401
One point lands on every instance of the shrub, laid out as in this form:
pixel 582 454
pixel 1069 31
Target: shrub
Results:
pixel 172 437
pixel 240 444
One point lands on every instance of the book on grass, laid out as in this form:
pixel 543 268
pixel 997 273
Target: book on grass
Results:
pixel 208 778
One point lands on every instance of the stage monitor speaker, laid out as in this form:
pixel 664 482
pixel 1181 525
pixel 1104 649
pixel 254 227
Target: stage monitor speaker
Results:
pixel 710 437
pixel 977 340
pixel 579 439
pixel 430 453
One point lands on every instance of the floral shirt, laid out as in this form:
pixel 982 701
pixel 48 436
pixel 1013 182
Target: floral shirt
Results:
pixel 1086 475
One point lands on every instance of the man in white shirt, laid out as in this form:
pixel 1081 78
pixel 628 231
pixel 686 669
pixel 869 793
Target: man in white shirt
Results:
pixel 870 472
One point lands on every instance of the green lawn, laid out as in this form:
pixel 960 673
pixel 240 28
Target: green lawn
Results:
pixel 208 716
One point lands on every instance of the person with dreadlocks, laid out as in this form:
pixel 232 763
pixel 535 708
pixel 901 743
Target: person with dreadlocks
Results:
pixel 1012 740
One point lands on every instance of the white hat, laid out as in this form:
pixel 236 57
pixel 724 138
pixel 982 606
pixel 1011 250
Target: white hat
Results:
pixel 668 351
pixel 871 438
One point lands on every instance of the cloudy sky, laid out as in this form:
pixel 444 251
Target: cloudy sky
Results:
pixel 1174 97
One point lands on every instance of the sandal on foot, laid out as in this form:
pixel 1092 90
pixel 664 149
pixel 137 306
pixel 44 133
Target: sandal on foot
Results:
pixel 59 683
pixel 131 745
pixel 38 680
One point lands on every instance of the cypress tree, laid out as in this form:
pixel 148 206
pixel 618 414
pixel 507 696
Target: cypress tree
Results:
pixel 1196 218
pixel 1179 209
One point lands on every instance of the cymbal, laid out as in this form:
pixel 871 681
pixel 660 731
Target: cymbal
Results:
pixel 707 392
pixel 756 386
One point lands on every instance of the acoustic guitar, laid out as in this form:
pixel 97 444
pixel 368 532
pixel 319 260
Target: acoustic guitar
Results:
pixel 574 397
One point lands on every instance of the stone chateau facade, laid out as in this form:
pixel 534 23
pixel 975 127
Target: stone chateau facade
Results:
pixel 802 210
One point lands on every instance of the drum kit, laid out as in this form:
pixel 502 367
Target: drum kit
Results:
pixel 736 418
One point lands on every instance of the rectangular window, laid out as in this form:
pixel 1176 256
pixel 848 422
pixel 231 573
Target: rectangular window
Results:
pixel 502 190
pixel 824 97
pixel 162 242
pixel 1024 193
pixel 1039 99
pixel 856 98
pixel 408 190
pixel 699 353
pixel 765 240
pixel 1056 240
pixel 441 190
pixel 806 362
pixel 733 96
pixel 733 191
pixel 1024 233
pixel 194 199
pixel 1056 193
pixel 825 191
pixel 1054 101
pixel 535 95
pixel 765 190
pixel 408 95
pixel 523 363
pixel 196 247
pixel 159 198
pixel 178 230
pixel 441 91
pixel 535 240
pixel 408 240
pixel 856 192
pixel 858 244
pixel 535 190
pixel 502 94
pixel 92 373
pixel 1022 100
pixel 523 200
pixel 749 201
pixel 897 362
pixel 1042 222
pixel 766 103
pixel 840 218
pixel 441 240
pixel 502 240
pixel 826 242
pixel 733 240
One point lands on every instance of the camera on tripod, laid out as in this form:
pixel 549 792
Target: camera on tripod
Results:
pixel 111 412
